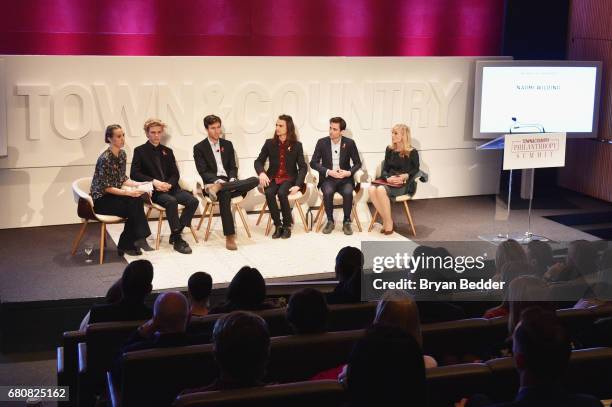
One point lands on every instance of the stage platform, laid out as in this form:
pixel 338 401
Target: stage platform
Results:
pixel 42 283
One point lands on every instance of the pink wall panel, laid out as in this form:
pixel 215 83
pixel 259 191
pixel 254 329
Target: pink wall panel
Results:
pixel 251 27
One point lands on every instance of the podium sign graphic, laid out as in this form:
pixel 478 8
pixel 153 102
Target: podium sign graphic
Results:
pixel 534 150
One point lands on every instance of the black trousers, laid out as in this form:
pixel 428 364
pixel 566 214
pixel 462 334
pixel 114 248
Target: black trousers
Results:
pixel 282 191
pixel 228 191
pixel 170 201
pixel 136 227
pixel 344 186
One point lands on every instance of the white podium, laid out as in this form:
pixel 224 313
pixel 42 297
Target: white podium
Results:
pixel 527 151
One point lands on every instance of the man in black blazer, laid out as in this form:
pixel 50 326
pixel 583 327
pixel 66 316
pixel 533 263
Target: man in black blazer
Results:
pixel 155 162
pixel 332 159
pixel 216 163
pixel 285 174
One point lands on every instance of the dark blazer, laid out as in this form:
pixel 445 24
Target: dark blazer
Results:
pixel 394 164
pixel 322 158
pixel 119 311
pixel 145 166
pixel 207 165
pixel 294 161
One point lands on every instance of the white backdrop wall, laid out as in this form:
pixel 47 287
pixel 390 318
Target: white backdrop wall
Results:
pixel 55 109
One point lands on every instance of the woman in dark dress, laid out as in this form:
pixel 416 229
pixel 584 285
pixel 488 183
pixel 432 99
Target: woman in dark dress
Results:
pixel 110 199
pixel 401 162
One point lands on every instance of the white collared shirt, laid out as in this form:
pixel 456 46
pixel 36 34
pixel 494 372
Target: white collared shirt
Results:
pixel 335 153
pixel 216 149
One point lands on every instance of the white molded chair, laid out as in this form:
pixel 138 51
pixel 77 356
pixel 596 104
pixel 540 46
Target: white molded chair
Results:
pixel 403 199
pixel 357 194
pixel 85 209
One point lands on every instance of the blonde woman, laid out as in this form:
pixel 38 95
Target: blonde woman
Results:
pixel 401 162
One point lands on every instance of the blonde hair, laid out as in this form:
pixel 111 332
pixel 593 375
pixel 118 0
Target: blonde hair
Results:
pixel 153 123
pixel 406 140
pixel 398 308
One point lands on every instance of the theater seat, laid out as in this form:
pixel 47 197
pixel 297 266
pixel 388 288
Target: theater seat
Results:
pixel 299 357
pixel 96 355
pixel 341 317
pixel 275 318
pixel 449 384
pixel 589 372
pixel 154 377
pixel 324 393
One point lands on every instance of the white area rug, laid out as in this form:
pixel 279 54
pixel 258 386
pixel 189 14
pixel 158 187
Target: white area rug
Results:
pixel 302 254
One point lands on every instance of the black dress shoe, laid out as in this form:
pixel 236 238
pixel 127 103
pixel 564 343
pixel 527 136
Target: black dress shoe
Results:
pixel 130 252
pixel 181 246
pixel 278 232
pixel 286 232
pixel 142 244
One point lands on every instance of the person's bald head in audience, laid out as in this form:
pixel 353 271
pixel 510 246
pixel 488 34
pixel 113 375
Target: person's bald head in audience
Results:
pixel 170 312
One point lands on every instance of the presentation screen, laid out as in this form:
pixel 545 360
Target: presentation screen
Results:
pixel 531 96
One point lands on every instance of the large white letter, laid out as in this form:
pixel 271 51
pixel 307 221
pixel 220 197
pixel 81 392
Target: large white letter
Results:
pixel 260 103
pixel 388 105
pixel 121 109
pixel 170 107
pixel 297 111
pixel 83 126
pixel 33 95
pixel 362 107
pixel 444 98
pixel 319 118
pixel 419 104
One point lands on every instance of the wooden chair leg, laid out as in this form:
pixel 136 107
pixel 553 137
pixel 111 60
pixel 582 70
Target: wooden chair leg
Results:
pixel 102 238
pixel 204 214
pixel 269 225
pixel 148 212
pixel 159 226
pixel 77 240
pixel 244 221
pixel 210 215
pixel 374 217
pixel 320 217
pixel 354 210
pixel 301 213
pixel 261 213
pixel 193 233
pixel 409 217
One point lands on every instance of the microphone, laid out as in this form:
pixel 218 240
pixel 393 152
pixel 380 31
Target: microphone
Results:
pixel 335 151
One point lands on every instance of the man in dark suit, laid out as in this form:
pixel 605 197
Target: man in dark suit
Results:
pixel 156 163
pixel 216 163
pixel 135 286
pixel 332 159
pixel 167 329
pixel 285 174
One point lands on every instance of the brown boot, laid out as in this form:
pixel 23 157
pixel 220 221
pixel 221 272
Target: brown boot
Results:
pixel 230 242
pixel 212 189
